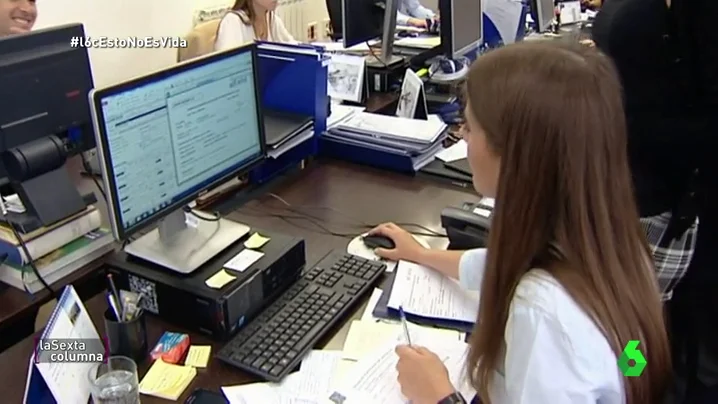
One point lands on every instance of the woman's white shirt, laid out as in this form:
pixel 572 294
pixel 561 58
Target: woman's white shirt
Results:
pixel 233 32
pixel 554 353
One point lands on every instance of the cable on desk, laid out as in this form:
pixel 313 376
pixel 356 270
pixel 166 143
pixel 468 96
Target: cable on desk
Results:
pixel 318 221
pixel 373 53
pixel 214 218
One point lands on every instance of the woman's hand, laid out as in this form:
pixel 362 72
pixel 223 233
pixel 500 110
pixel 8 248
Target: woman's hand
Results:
pixel 417 22
pixel 422 376
pixel 405 245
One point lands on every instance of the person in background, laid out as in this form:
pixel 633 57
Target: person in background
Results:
pixel 567 279
pixel 17 16
pixel 671 99
pixel 249 21
pixel 411 13
pixel 593 5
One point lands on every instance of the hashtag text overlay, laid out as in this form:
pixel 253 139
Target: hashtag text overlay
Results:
pixel 149 42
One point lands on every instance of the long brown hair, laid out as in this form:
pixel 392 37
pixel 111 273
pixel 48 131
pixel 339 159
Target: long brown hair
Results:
pixel 245 7
pixel 553 113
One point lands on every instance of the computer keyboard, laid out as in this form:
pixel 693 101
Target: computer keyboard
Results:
pixel 273 343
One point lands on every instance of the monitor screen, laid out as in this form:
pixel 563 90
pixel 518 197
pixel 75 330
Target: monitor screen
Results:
pixel 466 21
pixel 173 135
pixel 362 21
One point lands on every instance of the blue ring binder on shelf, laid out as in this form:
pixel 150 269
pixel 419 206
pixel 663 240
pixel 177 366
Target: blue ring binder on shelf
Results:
pixel 293 79
pixel 37 389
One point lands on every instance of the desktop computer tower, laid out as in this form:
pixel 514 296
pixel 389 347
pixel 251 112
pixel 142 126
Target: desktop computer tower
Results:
pixel 187 302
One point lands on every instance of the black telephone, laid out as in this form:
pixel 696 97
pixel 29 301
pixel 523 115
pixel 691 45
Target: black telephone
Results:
pixel 467 226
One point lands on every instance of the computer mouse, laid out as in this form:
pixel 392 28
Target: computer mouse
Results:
pixel 379 242
pixel 407 34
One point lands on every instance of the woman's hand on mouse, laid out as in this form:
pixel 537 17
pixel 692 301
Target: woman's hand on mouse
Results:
pixel 405 245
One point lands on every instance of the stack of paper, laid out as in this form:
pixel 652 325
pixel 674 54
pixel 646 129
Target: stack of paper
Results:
pixel 418 139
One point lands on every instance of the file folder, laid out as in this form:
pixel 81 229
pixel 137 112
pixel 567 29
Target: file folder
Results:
pixel 293 80
pixel 382 310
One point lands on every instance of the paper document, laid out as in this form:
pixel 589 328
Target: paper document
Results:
pixel 341 113
pixel 365 336
pixel 315 377
pixel 371 304
pixel 373 379
pixel 420 42
pixel 310 385
pixel 456 151
pixel 243 260
pixel 261 393
pixel 424 292
pixel 345 75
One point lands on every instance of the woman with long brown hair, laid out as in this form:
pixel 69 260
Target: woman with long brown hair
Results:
pixel 567 279
pixel 249 21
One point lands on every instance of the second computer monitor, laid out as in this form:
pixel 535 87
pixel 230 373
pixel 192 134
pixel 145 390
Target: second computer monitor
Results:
pixel 461 26
pixel 362 20
pixel 167 137
pixel 543 12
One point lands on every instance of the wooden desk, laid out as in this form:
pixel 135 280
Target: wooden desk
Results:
pixel 18 309
pixel 338 194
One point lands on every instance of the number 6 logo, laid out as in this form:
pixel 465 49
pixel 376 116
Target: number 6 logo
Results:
pixel 631 362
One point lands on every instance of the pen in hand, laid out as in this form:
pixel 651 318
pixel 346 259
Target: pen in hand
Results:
pixel 405 324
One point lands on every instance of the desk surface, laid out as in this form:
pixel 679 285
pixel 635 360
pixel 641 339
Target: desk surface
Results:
pixel 339 195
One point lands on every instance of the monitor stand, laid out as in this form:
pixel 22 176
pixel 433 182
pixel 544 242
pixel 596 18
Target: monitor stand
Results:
pixel 183 243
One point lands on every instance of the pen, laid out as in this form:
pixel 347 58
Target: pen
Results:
pixel 113 306
pixel 405 324
pixel 116 295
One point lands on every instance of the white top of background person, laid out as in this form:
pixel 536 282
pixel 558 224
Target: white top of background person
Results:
pixel 249 21
pixel 17 16
pixel 412 13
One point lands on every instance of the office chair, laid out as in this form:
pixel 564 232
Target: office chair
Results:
pixel 200 41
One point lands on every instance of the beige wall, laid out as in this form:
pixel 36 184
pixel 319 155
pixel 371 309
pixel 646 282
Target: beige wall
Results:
pixel 432 4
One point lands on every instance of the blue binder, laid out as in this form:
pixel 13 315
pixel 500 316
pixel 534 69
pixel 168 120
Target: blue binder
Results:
pixel 36 390
pixel 292 78
pixel 382 310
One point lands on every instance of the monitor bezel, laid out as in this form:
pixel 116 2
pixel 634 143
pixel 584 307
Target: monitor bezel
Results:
pixel 97 95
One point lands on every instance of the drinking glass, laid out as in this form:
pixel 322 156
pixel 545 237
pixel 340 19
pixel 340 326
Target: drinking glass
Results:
pixel 115 382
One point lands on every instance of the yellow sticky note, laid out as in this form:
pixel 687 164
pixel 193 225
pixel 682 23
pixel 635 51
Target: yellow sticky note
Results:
pixel 198 356
pixel 167 381
pixel 218 280
pixel 255 241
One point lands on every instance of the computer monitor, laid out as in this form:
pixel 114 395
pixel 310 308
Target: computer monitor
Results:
pixel 461 26
pixel 543 14
pixel 164 139
pixel 44 118
pixel 361 21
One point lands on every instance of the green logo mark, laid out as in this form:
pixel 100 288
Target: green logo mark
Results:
pixel 632 353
